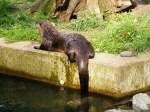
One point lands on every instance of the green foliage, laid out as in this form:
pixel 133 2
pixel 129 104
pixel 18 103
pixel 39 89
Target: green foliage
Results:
pixel 31 0
pixel 87 23
pixel 23 16
pixel 40 16
pixel 6 18
pixel 19 25
pixel 20 32
pixel 16 26
pixel 123 32
pixel 4 7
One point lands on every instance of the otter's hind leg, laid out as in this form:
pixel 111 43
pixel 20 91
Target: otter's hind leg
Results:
pixel 83 76
pixel 84 84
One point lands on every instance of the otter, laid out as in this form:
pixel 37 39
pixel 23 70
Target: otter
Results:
pixel 74 45
pixel 51 38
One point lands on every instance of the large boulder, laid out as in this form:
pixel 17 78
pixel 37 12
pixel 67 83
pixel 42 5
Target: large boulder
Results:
pixel 141 102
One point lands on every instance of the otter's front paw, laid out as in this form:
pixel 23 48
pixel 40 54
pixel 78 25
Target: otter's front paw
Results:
pixel 36 47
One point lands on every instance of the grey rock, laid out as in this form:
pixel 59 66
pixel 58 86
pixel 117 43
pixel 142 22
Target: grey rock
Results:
pixel 119 110
pixel 128 54
pixel 141 102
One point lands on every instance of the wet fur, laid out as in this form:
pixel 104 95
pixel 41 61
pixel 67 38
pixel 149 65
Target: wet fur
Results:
pixel 80 50
pixel 76 47
pixel 51 38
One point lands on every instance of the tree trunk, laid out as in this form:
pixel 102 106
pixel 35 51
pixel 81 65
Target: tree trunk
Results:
pixel 47 6
pixel 92 6
pixel 34 8
pixel 69 8
pixel 107 7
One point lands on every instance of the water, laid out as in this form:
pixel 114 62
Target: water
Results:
pixel 22 95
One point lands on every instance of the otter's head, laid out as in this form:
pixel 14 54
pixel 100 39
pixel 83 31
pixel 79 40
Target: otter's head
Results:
pixel 45 26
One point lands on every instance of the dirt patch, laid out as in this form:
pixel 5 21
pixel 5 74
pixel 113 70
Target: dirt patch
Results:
pixel 142 9
pixel 2 41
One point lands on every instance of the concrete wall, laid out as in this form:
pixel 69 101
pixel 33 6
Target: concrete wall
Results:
pixel 109 74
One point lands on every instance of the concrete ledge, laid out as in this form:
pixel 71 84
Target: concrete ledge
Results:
pixel 109 74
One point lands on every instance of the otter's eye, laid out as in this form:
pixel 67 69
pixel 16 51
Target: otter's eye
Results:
pixel 40 24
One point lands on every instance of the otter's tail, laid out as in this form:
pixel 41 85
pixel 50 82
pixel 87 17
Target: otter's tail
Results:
pixel 83 76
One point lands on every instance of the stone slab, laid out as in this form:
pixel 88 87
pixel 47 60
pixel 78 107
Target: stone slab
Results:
pixel 109 74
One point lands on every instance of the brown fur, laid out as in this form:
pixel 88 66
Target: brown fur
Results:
pixel 77 48
pixel 51 39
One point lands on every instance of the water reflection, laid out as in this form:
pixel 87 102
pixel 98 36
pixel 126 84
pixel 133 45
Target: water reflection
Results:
pixel 21 95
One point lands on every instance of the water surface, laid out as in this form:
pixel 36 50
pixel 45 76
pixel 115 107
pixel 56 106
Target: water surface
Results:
pixel 22 95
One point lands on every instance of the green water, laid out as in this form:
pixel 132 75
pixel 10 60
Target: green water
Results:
pixel 22 95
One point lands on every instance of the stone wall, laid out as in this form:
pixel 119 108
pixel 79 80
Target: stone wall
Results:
pixel 109 74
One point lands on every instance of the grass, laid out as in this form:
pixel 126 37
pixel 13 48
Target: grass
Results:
pixel 19 32
pixel 86 23
pixel 123 32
